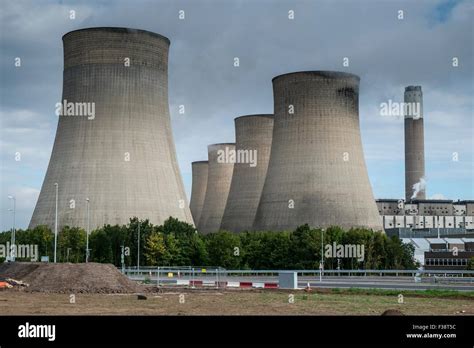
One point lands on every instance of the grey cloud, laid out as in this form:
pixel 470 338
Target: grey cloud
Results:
pixel 387 53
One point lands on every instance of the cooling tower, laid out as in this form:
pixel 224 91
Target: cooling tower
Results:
pixel 123 158
pixel 317 172
pixel 221 166
pixel 198 191
pixel 253 135
pixel 414 144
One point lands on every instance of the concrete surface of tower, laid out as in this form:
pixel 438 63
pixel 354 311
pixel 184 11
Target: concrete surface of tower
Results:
pixel 123 159
pixel 253 140
pixel 219 177
pixel 317 172
pixel 198 190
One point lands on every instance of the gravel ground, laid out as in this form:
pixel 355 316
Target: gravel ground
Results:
pixel 100 289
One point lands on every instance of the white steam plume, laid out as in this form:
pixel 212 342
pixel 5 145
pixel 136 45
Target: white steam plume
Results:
pixel 419 186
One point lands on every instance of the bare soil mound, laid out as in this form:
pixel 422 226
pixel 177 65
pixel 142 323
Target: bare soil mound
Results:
pixel 69 277
pixel 390 312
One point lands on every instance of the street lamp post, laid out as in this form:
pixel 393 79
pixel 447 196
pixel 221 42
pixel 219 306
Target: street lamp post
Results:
pixel 122 259
pixel 321 267
pixel 13 241
pixel 56 223
pixel 138 254
pixel 88 230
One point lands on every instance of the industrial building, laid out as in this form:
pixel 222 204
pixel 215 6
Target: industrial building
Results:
pixel 220 169
pixel 317 172
pixel 427 218
pixel 120 161
pixel 450 254
pixel 443 253
pixel 253 141
pixel 415 216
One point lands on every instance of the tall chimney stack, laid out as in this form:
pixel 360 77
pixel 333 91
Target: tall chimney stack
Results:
pixel 414 144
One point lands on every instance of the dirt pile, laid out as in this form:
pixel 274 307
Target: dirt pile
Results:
pixel 69 277
pixel 390 312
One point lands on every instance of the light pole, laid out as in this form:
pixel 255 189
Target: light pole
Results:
pixel 122 259
pixel 88 229
pixel 13 247
pixel 138 254
pixel 321 266
pixel 56 223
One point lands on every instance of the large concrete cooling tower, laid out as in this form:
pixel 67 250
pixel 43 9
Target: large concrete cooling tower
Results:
pixel 198 191
pixel 221 166
pixel 123 157
pixel 253 135
pixel 414 144
pixel 317 172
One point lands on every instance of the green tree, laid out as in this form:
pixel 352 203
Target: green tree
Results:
pixel 275 250
pixel 74 240
pixel 118 237
pixel 187 247
pixel 470 265
pixel 178 228
pixel 101 246
pixel 132 239
pixel 331 235
pixel 305 248
pixel 156 253
pixel 177 243
pixel 379 254
pixel 251 246
pixel 43 237
pixel 193 251
pixel 4 238
pixel 22 237
pixel 221 247
pixel 174 251
pixel 356 236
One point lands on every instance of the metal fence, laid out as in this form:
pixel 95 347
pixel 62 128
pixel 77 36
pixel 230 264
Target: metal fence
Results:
pixel 163 275
pixel 218 273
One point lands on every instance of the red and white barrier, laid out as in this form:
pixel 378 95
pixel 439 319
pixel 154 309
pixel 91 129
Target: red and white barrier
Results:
pixel 211 283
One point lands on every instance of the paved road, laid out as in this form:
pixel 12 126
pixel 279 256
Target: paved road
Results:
pixel 401 285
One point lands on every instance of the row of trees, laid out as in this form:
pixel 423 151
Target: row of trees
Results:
pixel 177 243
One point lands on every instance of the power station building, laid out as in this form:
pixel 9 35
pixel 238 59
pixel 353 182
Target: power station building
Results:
pixel 114 156
pixel 317 172
pixel 442 253
pixel 118 161
pixel 427 218
pixel 253 141
pixel 311 167
pixel 220 169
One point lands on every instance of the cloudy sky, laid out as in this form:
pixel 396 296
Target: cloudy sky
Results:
pixel 388 54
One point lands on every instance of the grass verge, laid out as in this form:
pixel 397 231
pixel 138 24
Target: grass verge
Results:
pixel 409 293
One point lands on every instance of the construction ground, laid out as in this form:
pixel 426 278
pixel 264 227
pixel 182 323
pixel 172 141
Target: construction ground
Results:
pixel 99 289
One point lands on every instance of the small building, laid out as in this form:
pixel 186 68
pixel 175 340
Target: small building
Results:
pixel 449 254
